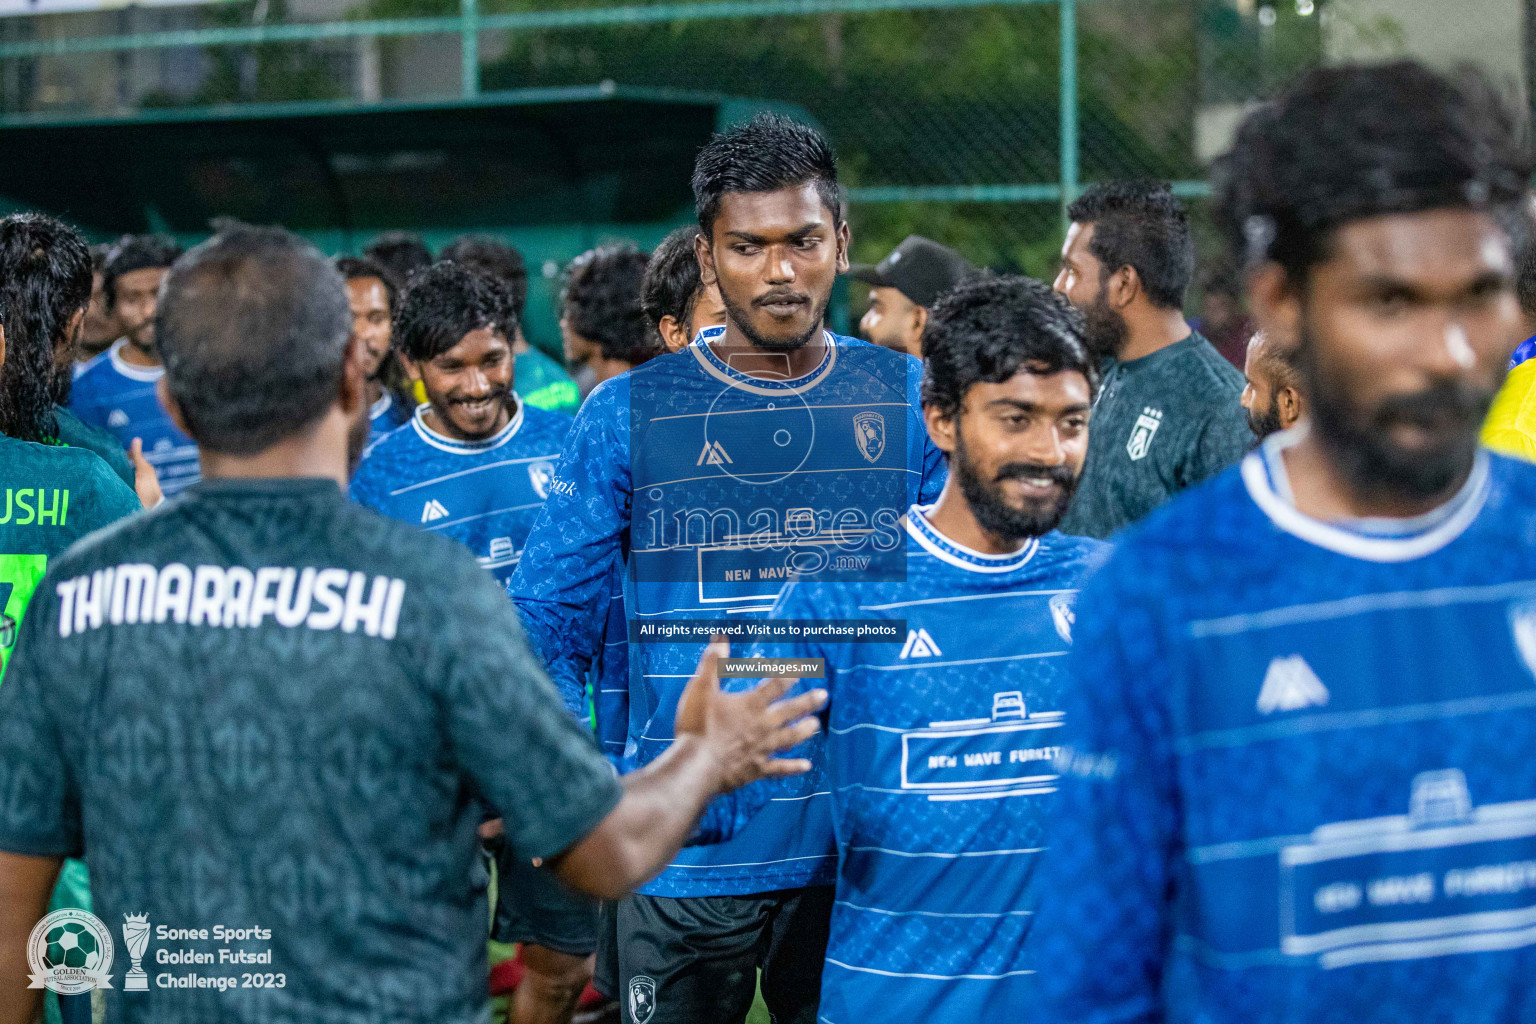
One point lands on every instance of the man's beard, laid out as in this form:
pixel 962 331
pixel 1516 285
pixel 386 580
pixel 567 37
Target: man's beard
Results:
pixel 1104 330
pixel 1361 441
pixel 1267 422
pixel 996 516
pixel 739 316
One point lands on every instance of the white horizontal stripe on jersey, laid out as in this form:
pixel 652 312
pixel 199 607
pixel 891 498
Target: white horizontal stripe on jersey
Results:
pixel 963 597
pixel 792 408
pixel 1362 604
pixel 930 977
pixel 947 856
pixel 933 913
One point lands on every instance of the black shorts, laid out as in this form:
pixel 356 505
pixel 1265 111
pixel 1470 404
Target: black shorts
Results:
pixel 532 906
pixel 695 961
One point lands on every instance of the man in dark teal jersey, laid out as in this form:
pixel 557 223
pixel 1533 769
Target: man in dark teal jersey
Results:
pixel 263 708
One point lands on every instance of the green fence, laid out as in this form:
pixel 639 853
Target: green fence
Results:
pixel 972 121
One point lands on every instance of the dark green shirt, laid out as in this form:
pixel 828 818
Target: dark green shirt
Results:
pixel 1161 423
pixel 77 433
pixel 50 497
pixel 262 706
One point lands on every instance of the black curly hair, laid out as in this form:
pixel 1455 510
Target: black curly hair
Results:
pixel 135 252
pixel 495 257
pixel 672 281
pixel 447 301
pixel 403 253
pixel 1347 143
pixel 989 327
pixel 601 299
pixel 766 154
pixel 1140 224
pixel 45 280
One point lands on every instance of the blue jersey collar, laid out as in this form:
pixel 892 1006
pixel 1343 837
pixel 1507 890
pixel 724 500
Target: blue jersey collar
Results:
pixel 1374 540
pixel 958 555
pixel 457 447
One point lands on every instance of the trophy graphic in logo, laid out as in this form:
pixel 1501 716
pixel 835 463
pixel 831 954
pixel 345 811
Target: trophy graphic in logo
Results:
pixel 136 938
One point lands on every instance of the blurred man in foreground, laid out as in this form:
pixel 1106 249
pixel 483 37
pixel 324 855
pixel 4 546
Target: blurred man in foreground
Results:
pixel 1272 395
pixel 1298 780
pixel 352 660
pixel 903 288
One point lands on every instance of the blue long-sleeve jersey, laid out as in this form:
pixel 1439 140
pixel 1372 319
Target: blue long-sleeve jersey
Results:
pixel 1300 783
pixel 483 494
pixel 717 484
pixel 939 759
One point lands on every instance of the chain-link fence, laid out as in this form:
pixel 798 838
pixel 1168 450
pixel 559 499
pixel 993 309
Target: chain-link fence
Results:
pixel 964 120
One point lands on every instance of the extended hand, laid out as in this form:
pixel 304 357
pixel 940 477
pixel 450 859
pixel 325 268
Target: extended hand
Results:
pixel 742 731
pixel 146 482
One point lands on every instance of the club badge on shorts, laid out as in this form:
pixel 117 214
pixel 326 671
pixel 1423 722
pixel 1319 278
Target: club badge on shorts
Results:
pixel 70 951
pixel 642 999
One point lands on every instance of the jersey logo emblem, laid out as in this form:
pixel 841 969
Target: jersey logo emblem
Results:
pixel 869 435
pixel 642 999
pixel 919 645
pixel 433 511
pixel 1064 614
pixel 713 455
pixel 117 418
pixel 1290 685
pixel 1141 434
pixel 1522 620
pixel 541 475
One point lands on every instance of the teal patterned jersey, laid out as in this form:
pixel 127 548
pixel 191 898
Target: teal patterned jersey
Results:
pixel 262 707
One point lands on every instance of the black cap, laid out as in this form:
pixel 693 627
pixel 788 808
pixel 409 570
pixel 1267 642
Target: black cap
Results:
pixel 919 268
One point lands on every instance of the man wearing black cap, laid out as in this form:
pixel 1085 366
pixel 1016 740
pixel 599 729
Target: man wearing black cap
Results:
pixel 903 287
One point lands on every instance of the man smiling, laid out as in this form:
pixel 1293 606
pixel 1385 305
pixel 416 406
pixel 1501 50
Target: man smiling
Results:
pixel 700 479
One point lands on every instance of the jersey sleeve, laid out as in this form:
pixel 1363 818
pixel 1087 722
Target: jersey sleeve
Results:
pixel 533 762
pixel 573 560
pixel 40 808
pixel 1104 926
pixel 928 457
pixel 727 815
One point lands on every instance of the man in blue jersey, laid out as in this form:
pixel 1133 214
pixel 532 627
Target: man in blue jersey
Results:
pixel 707 474
pixel 115 391
pixel 475 464
pixel 939 749
pixel 1302 727
pixel 373 295
pixel 540 381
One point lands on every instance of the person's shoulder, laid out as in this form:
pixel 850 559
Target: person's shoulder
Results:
pixel 1073 553
pixel 389 447
pixel 1210 368
pixel 93 376
pixel 1513 480
pixel 1213 520
pixel 62 465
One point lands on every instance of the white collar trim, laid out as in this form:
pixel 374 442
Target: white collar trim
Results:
pixel 146 374
pixel 718 369
pixel 448 444
pixel 947 550
pixel 1271 497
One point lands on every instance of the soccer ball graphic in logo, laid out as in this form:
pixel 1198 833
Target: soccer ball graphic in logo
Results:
pixel 70 951
pixel 72 945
